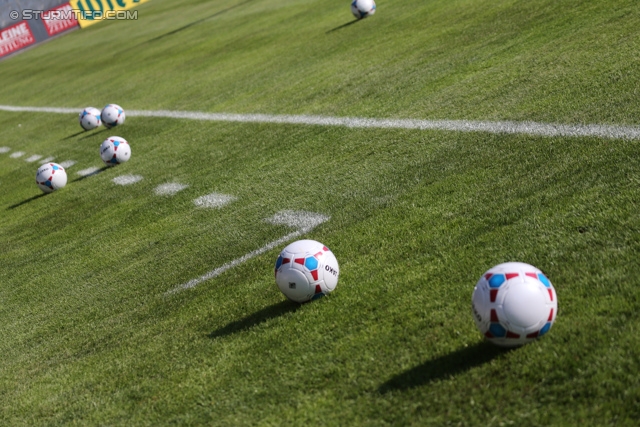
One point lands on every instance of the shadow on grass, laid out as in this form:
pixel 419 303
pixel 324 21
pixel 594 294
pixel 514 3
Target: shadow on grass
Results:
pixel 74 135
pixel 30 199
pixel 444 367
pixel 92 134
pixel 189 25
pixel 343 25
pixel 96 172
pixel 273 311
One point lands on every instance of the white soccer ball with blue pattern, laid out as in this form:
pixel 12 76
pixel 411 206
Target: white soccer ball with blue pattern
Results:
pixel 514 303
pixel 112 115
pixel 115 150
pixel 363 8
pixel 306 270
pixel 51 177
pixel 89 118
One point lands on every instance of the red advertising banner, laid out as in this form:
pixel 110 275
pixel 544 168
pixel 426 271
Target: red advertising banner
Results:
pixel 59 19
pixel 15 37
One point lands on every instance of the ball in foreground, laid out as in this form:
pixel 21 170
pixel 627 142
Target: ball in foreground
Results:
pixel 51 177
pixel 89 118
pixel 363 8
pixel 306 270
pixel 115 150
pixel 112 115
pixel 513 304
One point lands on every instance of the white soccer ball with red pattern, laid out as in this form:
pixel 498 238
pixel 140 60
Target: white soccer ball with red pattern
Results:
pixel 514 303
pixel 363 8
pixel 306 270
pixel 115 150
pixel 89 118
pixel 112 115
pixel 51 177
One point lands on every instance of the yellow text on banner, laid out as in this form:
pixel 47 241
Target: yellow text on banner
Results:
pixel 88 12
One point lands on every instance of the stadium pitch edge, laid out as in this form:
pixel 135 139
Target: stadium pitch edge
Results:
pixel 499 127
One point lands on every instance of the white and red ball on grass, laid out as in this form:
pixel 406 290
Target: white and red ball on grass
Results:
pixel 51 177
pixel 112 115
pixel 115 150
pixel 363 8
pixel 514 303
pixel 306 270
pixel 89 118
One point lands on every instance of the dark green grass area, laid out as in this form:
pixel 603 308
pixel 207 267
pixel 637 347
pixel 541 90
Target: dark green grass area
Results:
pixel 89 334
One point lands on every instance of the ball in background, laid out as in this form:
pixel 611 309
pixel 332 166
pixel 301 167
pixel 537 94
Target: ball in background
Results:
pixel 115 150
pixel 306 270
pixel 51 177
pixel 89 118
pixel 112 115
pixel 514 303
pixel 363 8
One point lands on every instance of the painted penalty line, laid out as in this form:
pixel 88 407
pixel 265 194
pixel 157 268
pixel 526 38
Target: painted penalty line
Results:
pixel 508 127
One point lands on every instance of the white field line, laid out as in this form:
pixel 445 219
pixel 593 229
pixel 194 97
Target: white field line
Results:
pixel 89 171
pixel 302 220
pixel 67 163
pixel 213 200
pixel 126 179
pixel 218 271
pixel 509 127
pixel 33 158
pixel 169 189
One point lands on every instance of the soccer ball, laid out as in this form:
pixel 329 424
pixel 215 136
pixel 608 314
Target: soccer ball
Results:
pixel 306 270
pixel 51 177
pixel 363 8
pixel 112 115
pixel 115 150
pixel 89 118
pixel 513 304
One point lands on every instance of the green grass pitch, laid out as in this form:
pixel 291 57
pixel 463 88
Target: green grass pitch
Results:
pixel 89 334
